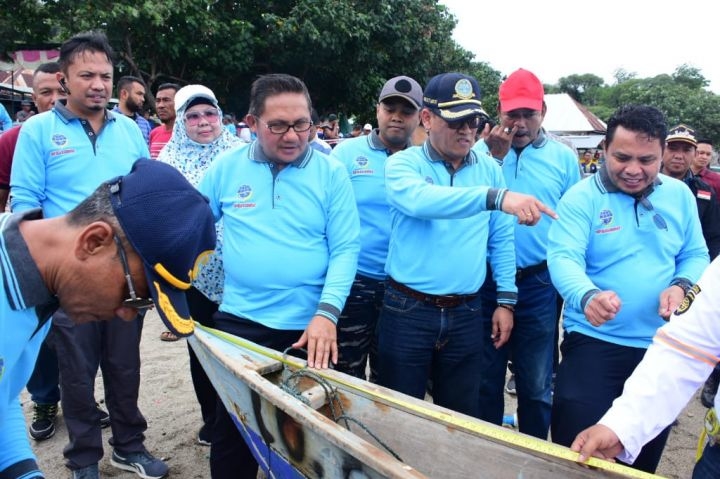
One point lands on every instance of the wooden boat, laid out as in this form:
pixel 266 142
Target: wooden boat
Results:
pixel 294 420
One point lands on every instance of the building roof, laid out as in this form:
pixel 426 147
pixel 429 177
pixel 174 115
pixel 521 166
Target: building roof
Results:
pixel 565 116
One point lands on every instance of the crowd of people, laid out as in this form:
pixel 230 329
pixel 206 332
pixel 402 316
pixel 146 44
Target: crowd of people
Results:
pixel 432 251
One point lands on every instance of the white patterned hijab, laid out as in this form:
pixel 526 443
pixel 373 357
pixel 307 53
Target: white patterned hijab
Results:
pixel 192 159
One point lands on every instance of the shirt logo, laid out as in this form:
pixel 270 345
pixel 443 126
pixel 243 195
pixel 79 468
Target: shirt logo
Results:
pixel 362 169
pixel 429 180
pixel 59 139
pixel 244 193
pixel 704 195
pixel 606 218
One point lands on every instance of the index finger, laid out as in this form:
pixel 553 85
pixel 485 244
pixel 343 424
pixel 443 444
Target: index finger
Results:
pixel 311 345
pixel 547 210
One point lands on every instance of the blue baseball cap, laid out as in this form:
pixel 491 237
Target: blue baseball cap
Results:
pixel 453 96
pixel 171 227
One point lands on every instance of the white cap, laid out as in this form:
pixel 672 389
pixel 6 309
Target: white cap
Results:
pixel 367 127
pixel 190 92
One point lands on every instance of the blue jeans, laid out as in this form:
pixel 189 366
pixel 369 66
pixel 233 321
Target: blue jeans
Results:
pixel 417 342
pixel 356 327
pixel 531 347
pixel 708 467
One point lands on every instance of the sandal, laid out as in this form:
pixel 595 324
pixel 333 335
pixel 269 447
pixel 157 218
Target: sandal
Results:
pixel 168 336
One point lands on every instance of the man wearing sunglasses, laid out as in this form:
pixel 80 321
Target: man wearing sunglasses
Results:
pixel 119 234
pixel 60 158
pixel 625 250
pixel 532 163
pixel 446 209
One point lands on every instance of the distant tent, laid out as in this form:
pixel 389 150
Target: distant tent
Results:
pixel 567 118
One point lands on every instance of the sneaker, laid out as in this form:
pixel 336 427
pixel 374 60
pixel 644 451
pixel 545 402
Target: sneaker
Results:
pixel 143 463
pixel 43 423
pixel 87 472
pixel 104 417
pixel 510 386
pixel 203 437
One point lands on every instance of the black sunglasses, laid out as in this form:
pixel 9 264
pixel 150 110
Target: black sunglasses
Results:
pixel 657 219
pixel 133 301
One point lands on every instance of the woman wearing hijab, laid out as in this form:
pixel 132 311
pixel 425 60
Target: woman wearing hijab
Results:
pixel 197 139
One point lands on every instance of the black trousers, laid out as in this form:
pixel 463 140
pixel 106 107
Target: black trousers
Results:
pixel 114 346
pixel 230 457
pixel 202 310
pixel 590 376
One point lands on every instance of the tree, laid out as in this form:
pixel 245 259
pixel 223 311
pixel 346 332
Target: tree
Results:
pixel 621 75
pixel 583 88
pixel 690 77
pixel 344 50
pixel 489 80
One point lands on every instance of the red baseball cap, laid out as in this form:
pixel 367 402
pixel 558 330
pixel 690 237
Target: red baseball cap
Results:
pixel 522 89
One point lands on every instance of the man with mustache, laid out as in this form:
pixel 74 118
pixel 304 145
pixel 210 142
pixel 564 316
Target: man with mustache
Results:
pixel 532 163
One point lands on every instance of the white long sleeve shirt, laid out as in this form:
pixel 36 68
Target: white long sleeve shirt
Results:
pixel 682 355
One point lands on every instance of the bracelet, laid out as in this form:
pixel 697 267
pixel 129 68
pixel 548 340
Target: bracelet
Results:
pixel 506 306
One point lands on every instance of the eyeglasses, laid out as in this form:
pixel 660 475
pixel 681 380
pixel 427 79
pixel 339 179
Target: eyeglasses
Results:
pixel 657 219
pixel 472 122
pixel 299 126
pixel 133 301
pixel 194 117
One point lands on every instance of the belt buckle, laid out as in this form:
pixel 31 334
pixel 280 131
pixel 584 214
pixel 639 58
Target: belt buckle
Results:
pixel 446 301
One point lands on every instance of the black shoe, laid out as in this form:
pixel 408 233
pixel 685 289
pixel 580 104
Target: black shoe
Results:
pixel 204 437
pixel 43 423
pixel 104 417
pixel 709 390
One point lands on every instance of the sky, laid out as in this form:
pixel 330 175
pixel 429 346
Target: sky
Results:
pixel 557 38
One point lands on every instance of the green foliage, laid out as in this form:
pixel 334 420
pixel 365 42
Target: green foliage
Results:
pixel 583 88
pixel 344 50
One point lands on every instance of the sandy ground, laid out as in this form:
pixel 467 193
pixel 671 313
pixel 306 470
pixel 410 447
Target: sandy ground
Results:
pixel 168 402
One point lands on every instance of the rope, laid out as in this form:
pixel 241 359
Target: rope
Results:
pixel 337 411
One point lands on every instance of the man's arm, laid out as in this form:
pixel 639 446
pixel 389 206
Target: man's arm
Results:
pixel 28 175
pixel 7 149
pixel 676 364
pixel 568 241
pixel 343 239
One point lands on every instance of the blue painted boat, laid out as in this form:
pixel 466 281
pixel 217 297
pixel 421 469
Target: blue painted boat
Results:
pixel 307 423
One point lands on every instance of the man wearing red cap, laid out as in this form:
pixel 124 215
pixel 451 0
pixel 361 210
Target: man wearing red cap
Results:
pixel 538 165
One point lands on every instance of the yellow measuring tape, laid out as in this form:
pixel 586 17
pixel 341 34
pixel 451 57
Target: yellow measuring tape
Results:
pixel 500 434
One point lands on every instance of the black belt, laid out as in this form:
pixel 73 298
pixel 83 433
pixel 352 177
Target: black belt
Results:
pixel 530 270
pixel 439 301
